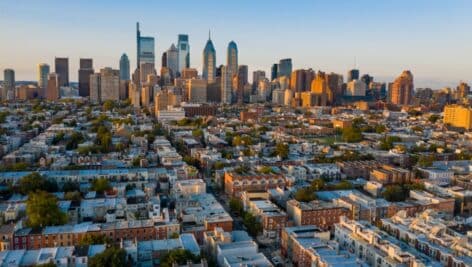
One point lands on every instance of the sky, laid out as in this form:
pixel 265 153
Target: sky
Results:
pixel 432 38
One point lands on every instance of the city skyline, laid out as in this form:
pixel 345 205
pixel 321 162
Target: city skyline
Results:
pixel 390 45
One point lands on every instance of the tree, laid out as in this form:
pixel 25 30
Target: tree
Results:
pixel 387 143
pixel 235 205
pixel 253 226
pixel 426 160
pixel 343 185
pixel 433 118
pixel 70 186
pixel 42 210
pixel 111 257
pixel 101 185
pixel 90 239
pixel 352 135
pixel 282 150
pixel 33 182
pixel 179 256
pixel 108 105
pixel 174 235
pixel 394 193
pixel 305 195
pixel 73 196
pixel 317 184
pixel 218 165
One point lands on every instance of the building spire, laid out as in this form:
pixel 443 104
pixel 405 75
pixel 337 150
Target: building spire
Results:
pixel 209 34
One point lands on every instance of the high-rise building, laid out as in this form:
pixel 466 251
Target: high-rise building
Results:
pixel 183 48
pixel 52 90
pixel 164 99
pixel 209 61
pixel 285 67
pixel 85 70
pixel 356 88
pixel 232 58
pixel 320 88
pixel 144 70
pixel 458 116
pixel 164 60
pixel 145 48
pixel 124 68
pixel 189 73
pixel 8 92
pixel 352 75
pixel 257 76
pixel 197 91
pixel 300 80
pixel 43 72
pixel 462 90
pixel 401 91
pixel 367 79
pixel 173 61
pixel 274 71
pixel 226 82
pixel 240 81
pixel 335 84
pixel 62 69
pixel 105 85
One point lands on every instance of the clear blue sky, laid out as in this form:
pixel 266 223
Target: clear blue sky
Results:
pixel 430 37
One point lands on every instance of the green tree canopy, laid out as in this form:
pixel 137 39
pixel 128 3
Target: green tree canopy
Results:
pixel 33 182
pixel 111 257
pixel 101 185
pixel 282 150
pixel 179 256
pixel 42 210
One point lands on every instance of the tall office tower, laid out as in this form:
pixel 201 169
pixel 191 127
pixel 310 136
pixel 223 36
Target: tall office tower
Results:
pixel 124 68
pixel 165 77
pixel 189 73
pixel 335 83
pixel 401 91
pixel 164 60
pixel 164 99
pixel 85 70
pixel 209 61
pixel 352 75
pixel 367 79
pixel 146 92
pixel 144 70
pixel 462 90
pixel 197 91
pixel 240 81
pixel 62 69
pixel 134 95
pixel 8 92
pixel 109 84
pixel 226 89
pixel 145 47
pixel 173 61
pixel 320 87
pixel 95 88
pixel 257 76
pixel 285 67
pixel 232 58
pixel 183 48
pixel 43 72
pixel 52 90
pixel 214 91
pixel 274 71
pixel 356 88
pixel 218 71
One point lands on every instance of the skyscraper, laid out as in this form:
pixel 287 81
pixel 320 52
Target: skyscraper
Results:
pixel 43 72
pixel 85 70
pixel 300 80
pixel 8 92
pixel 226 81
pixel 164 60
pixel 145 48
pixel 285 67
pixel 144 70
pixel 232 58
pixel 462 90
pixel 62 69
pixel 109 84
pixel 184 52
pixel 352 75
pixel 240 81
pixel 401 91
pixel 209 61
pixel 274 71
pixel 257 76
pixel 52 91
pixel 320 88
pixel 173 60
pixel 124 68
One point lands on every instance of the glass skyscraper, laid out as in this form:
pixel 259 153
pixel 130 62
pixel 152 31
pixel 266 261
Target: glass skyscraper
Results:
pixel 145 48
pixel 184 51
pixel 285 67
pixel 124 68
pixel 173 60
pixel 43 72
pixel 209 61
pixel 232 58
